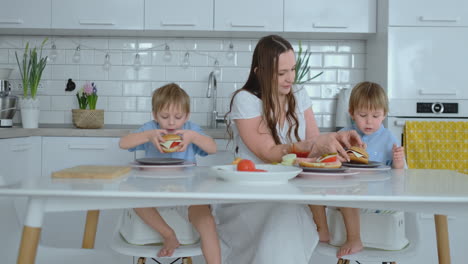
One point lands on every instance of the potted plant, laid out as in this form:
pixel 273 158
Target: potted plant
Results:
pixel 302 67
pixel 31 67
pixel 88 118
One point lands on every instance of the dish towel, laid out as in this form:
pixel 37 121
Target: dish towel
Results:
pixel 437 145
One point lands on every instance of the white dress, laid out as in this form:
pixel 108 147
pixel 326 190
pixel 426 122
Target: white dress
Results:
pixel 265 233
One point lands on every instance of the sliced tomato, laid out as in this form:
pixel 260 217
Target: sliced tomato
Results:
pixel 174 144
pixel 301 154
pixel 329 159
pixel 245 165
pixel 260 170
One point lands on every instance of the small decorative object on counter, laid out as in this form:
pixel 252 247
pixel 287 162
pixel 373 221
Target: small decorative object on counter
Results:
pixel 70 86
pixel 88 118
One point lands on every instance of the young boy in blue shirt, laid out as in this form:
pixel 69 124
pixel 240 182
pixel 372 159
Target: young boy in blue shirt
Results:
pixel 171 111
pixel 368 107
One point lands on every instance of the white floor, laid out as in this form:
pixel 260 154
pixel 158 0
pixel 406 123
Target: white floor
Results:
pixel 62 233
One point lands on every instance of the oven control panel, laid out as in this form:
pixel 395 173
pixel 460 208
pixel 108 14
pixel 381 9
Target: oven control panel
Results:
pixel 437 108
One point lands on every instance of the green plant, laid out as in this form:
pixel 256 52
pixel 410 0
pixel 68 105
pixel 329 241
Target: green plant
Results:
pixel 87 96
pixel 31 67
pixel 302 67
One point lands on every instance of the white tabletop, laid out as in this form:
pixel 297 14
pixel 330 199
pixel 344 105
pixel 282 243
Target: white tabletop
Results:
pixel 431 191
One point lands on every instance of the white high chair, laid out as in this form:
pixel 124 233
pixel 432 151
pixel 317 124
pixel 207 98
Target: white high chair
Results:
pixel 379 255
pixel 142 252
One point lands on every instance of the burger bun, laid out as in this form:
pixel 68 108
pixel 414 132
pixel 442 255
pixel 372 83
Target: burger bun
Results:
pixel 358 155
pixel 170 139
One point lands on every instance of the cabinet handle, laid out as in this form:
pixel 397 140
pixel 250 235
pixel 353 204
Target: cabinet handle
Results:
pixel 82 146
pixel 175 24
pixel 318 25
pixel 449 92
pixel 246 25
pixel 96 22
pixel 20 147
pixel 11 21
pixel 432 19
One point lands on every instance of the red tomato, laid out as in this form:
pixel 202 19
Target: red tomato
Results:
pixel 330 159
pixel 174 144
pixel 245 165
pixel 301 154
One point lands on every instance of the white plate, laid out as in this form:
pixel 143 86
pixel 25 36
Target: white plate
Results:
pixel 274 174
pixel 379 168
pixel 159 161
pixel 371 164
pixel 306 174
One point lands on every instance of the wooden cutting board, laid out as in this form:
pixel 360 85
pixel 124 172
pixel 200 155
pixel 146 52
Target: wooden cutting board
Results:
pixel 92 172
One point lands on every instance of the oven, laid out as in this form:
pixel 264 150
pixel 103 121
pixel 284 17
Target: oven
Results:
pixel 402 110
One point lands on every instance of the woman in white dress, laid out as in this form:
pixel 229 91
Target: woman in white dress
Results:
pixel 270 119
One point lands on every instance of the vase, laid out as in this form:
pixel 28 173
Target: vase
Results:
pixel 87 118
pixel 29 108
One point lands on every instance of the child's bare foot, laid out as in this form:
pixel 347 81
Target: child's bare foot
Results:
pixel 170 244
pixel 351 246
pixel 324 235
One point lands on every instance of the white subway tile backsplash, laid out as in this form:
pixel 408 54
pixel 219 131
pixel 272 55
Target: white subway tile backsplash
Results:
pixel 136 118
pixel 336 61
pixel 137 89
pixel 125 92
pixel 121 104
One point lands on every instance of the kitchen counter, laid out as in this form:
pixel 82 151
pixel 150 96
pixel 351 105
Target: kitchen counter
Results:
pixel 68 130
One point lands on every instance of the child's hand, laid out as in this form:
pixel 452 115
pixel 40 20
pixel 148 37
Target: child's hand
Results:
pixel 398 156
pixel 187 137
pixel 156 137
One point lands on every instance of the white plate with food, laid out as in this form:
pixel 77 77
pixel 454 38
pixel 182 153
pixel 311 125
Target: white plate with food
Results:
pixel 273 174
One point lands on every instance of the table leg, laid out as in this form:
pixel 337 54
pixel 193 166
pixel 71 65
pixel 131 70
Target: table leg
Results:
pixel 89 236
pixel 443 245
pixel 31 232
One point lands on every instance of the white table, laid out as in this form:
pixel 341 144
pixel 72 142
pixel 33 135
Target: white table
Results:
pixel 428 191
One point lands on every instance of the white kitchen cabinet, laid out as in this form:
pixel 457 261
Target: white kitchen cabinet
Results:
pixel 428 13
pixel 20 158
pixel 103 14
pixel 64 152
pixel 246 15
pixel 358 16
pixel 427 63
pixel 179 15
pixel 25 14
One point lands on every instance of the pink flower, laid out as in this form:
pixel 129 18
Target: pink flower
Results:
pixel 88 88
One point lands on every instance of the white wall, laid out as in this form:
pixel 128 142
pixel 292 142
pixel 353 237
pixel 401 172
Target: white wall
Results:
pixel 125 93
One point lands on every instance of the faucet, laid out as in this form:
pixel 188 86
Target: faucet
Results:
pixel 212 93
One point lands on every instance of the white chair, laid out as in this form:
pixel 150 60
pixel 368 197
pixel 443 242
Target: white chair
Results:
pixel 142 252
pixel 379 255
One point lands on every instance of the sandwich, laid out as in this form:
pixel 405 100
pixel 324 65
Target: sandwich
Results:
pixel 326 161
pixel 358 155
pixel 171 143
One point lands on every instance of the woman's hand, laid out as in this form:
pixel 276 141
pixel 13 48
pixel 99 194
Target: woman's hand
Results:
pixel 335 143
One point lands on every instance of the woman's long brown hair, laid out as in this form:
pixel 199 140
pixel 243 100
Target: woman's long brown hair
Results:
pixel 263 83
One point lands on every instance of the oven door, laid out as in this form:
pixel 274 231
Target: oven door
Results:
pixel 397 124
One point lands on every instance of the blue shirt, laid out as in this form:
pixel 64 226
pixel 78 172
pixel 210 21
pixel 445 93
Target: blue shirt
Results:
pixel 152 152
pixel 379 144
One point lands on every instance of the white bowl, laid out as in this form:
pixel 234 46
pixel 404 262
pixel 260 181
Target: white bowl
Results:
pixel 5 73
pixel 276 174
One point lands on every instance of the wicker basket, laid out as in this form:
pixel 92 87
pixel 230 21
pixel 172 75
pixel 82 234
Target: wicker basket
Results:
pixel 86 118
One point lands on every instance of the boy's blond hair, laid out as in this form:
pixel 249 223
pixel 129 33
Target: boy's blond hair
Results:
pixel 368 95
pixel 170 95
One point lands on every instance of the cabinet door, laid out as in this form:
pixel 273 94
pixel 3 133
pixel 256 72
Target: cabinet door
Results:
pixel 428 62
pixel 357 16
pixel 103 14
pixel 428 13
pixel 64 152
pixel 25 14
pixel 179 15
pixel 20 159
pixel 246 15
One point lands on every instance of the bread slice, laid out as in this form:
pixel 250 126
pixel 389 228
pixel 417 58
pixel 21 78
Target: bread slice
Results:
pixel 358 155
